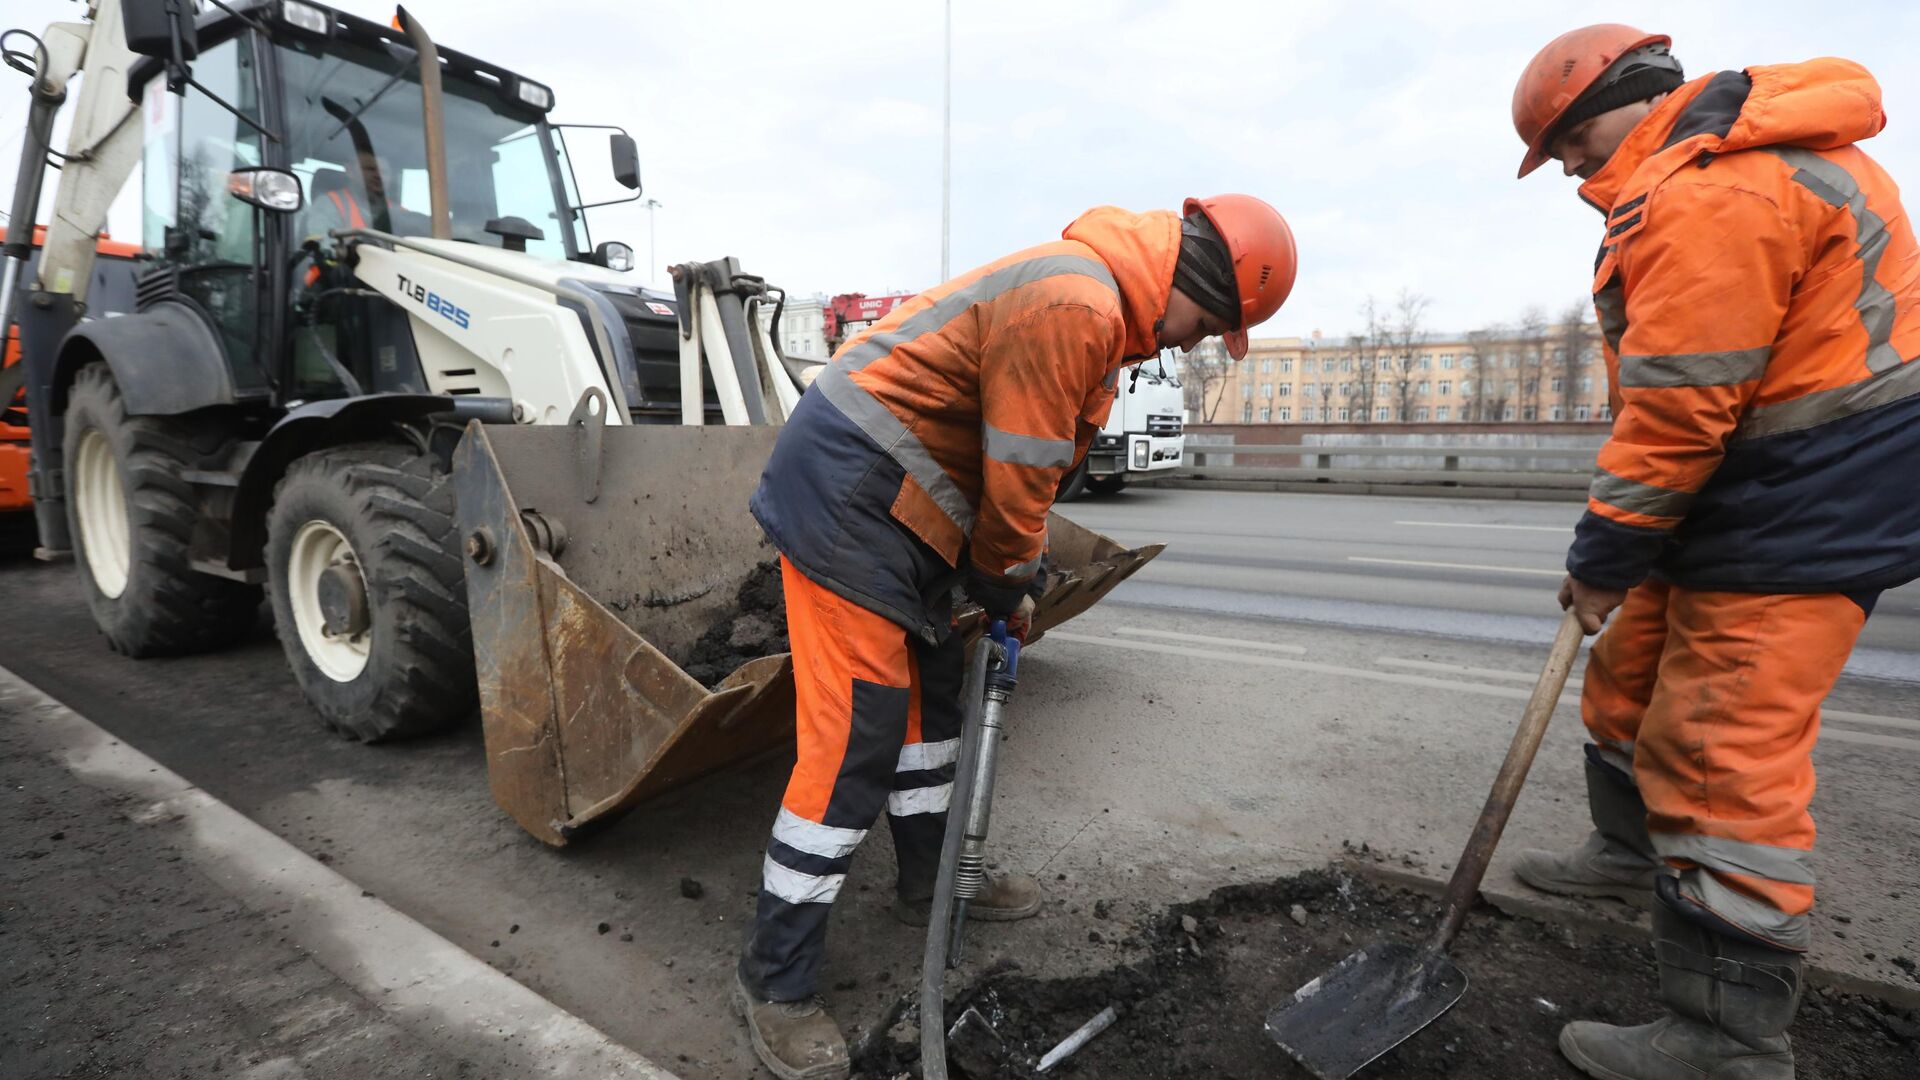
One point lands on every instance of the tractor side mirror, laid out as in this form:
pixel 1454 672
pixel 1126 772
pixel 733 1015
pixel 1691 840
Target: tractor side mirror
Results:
pixel 153 26
pixel 271 189
pixel 626 160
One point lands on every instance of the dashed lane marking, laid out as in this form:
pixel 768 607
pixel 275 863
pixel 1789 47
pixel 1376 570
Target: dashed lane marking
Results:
pixel 1204 639
pixel 1458 566
pixel 1512 693
pixel 1478 525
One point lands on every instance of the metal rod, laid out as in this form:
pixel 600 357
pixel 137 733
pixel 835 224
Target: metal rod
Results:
pixel 433 120
pixel 946 157
pixel 1072 1043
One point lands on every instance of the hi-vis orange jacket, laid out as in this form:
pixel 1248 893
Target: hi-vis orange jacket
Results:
pixel 935 440
pixel 1759 293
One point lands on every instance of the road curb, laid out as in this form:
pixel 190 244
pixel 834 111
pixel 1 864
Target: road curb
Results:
pixel 1639 928
pixel 441 993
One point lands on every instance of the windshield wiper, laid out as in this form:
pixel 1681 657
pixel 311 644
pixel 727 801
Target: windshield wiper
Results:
pixel 407 64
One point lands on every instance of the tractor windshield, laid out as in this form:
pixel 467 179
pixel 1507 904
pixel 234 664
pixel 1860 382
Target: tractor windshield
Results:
pixel 355 138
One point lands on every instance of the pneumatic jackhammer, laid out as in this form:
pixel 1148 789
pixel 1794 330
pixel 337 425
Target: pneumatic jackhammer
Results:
pixel 991 676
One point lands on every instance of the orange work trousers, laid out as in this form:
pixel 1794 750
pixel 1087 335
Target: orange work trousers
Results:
pixel 1710 701
pixel 878 723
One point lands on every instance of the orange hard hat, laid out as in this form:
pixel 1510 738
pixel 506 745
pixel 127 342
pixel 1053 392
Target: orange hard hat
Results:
pixel 1260 245
pixel 1562 73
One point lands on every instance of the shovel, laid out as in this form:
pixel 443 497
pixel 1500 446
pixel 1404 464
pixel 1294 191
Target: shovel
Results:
pixel 1377 998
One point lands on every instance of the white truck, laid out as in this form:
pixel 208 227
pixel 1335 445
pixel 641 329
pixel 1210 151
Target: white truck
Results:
pixel 1143 436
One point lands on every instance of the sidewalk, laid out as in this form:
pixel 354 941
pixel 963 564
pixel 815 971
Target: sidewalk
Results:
pixel 127 958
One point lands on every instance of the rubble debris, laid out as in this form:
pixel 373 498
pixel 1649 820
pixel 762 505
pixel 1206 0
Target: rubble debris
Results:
pixel 1193 1014
pixel 692 889
pixel 754 627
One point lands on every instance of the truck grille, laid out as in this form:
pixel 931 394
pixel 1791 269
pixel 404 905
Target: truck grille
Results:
pixel 1163 426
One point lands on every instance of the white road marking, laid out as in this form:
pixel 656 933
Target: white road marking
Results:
pixel 1203 639
pixel 1840 715
pixel 1456 669
pixel 1458 566
pixel 1511 693
pixel 439 991
pixel 1478 525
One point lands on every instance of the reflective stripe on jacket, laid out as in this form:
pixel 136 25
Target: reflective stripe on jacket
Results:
pixel 1759 296
pixel 935 440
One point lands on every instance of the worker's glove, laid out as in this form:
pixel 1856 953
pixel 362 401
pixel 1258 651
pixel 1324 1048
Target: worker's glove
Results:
pixel 999 601
pixel 1020 622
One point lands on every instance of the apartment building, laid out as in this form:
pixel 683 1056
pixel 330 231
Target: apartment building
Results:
pixel 1555 374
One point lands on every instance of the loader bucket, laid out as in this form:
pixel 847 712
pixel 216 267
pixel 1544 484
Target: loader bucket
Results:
pixel 596 555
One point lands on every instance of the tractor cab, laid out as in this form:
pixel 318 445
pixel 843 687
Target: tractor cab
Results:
pixel 304 123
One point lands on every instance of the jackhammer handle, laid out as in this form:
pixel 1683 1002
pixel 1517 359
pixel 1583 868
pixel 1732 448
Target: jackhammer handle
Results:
pixel 1506 786
pixel 1008 644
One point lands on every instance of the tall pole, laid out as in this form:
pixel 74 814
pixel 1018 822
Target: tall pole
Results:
pixel 651 205
pixel 946 160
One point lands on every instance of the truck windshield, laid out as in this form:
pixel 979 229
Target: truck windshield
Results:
pixel 354 138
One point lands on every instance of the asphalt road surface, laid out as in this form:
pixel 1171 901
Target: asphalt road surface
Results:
pixel 1292 679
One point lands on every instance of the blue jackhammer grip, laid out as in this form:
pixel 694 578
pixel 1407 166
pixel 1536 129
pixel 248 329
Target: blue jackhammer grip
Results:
pixel 998 632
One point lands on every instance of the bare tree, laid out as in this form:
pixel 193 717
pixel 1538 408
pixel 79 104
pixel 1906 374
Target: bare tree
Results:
pixel 1206 374
pixel 1367 347
pixel 1531 337
pixel 1578 342
pixel 1404 337
pixel 1483 354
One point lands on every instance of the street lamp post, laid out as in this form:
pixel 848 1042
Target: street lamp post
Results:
pixel 946 158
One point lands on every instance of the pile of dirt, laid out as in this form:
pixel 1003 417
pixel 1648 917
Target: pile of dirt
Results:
pixel 1195 1003
pixel 755 626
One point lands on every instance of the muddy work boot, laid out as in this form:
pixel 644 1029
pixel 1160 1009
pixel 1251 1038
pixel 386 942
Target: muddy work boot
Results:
pixel 1617 859
pixel 797 1040
pixel 1006 898
pixel 1728 1001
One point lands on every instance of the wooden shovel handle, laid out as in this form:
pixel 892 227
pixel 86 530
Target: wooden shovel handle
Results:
pixel 1506 786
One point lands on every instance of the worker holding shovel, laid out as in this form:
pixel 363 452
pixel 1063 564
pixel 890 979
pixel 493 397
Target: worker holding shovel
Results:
pixel 1758 287
pixel 926 456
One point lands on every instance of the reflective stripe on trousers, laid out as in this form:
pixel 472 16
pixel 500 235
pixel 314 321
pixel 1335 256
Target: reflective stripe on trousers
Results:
pixel 877 717
pixel 1716 697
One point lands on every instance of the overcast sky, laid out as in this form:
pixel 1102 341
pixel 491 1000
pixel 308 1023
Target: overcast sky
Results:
pixel 804 138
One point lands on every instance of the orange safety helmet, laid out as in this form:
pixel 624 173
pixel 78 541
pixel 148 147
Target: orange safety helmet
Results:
pixel 1562 73
pixel 1260 246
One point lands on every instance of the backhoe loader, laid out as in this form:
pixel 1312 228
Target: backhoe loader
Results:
pixel 373 363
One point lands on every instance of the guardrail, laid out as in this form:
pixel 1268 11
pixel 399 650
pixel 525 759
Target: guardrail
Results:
pixel 1540 472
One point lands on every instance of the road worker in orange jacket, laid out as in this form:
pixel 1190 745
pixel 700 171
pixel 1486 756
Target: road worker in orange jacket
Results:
pixel 926 456
pixel 1758 287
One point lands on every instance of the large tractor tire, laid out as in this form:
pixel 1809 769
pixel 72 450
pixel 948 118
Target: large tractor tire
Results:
pixel 131 514
pixel 368 596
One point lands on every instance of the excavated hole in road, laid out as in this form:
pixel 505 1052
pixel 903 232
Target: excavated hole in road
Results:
pixel 755 626
pixel 1195 1002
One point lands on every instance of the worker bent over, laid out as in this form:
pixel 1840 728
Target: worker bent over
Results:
pixel 1758 288
pixel 926 456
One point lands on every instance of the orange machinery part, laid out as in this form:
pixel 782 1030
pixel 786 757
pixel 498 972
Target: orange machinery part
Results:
pixel 13 438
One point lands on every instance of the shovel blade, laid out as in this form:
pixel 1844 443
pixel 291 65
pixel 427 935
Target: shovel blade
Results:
pixel 1364 1006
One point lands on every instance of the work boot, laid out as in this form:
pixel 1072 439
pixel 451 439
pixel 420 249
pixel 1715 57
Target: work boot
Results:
pixel 1729 1001
pixel 1617 859
pixel 1006 898
pixel 797 1040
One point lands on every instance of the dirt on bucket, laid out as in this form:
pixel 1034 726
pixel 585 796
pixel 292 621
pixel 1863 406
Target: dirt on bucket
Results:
pixel 755 626
pixel 1194 1003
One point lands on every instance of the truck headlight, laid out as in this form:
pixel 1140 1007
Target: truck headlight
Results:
pixel 1142 451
